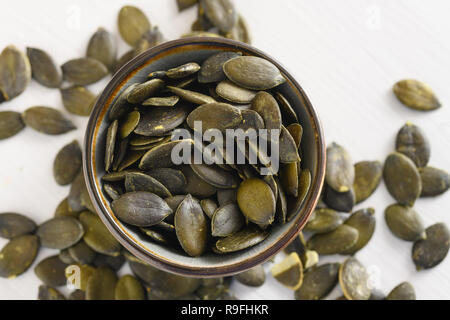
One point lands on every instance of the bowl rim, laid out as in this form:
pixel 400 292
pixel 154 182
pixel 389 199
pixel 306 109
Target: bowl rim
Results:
pixel 120 78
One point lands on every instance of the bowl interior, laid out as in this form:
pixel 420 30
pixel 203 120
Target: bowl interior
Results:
pixel 164 57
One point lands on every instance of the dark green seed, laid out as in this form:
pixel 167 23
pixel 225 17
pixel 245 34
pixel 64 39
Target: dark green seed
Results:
pixel 404 222
pixel 267 107
pixel 60 233
pixel 49 293
pixel 367 179
pixel 161 102
pixel 416 95
pixel 196 186
pixel 78 100
pixel 212 68
pixel 173 180
pixel 133 24
pixel 216 176
pixel 83 71
pixel 296 131
pixel 364 221
pixel 18 255
pixel 225 196
pixel 129 288
pixel 208 206
pixel 10 124
pixel 63 210
pixel 131 157
pixel 288 147
pixel 234 93
pixel 13 225
pixel 337 241
pixel 246 238
pixel 67 164
pixel 191 96
pixel 254 277
pixel 289 178
pixel 318 282
pixel 219 116
pixel 111 138
pixel 78 199
pixel 103 48
pixel 340 201
pixel 288 113
pixel 434 181
pixel 251 120
pixel 101 285
pixel 15 73
pixel 413 143
pixel 161 156
pixel 150 39
pixel 65 257
pixel 281 203
pixel 183 71
pixel 144 91
pixel 81 253
pixel 226 220
pixel 289 272
pixel 402 179
pixel 221 13
pixel 428 253
pixel 404 291
pixel 121 106
pixel 354 280
pixel 47 120
pixel 51 271
pixel 304 184
pixel 323 221
pixel 114 263
pixel 160 120
pixel 141 182
pixel 44 69
pixel 340 173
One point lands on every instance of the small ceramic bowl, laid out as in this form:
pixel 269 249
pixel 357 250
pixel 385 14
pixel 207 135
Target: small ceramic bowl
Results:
pixel 163 57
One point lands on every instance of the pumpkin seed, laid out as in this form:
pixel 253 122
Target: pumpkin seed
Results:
pixel 225 196
pixel 257 201
pixel 15 73
pixel 141 182
pixel 216 176
pixel 145 90
pixel 413 143
pixel 196 186
pixel 150 39
pixel 304 184
pixel 281 203
pixel 428 253
pixel 161 102
pixel 191 96
pixel 288 147
pixel 160 120
pixel 173 180
pixel 129 124
pixel 120 153
pixel 142 209
pixel 13 225
pixel 404 291
pixel 402 179
pixel 434 181
pixel 129 288
pixel 251 120
pixel 114 263
pixel 133 24
pixel 44 69
pixel 309 257
pixel 49 293
pixel 111 138
pixel 254 277
pixel 416 95
pixel 10 124
pixel 337 241
pixel 157 235
pixel 161 156
pixel 83 71
pixel 226 220
pixel 209 207
pixel 67 164
pixel 367 179
pixel 267 107
pixel 234 93
pixel 191 227
pixel 18 255
pixel 77 295
pixel 97 236
pixel 47 120
pixel 288 113
pixel 142 140
pixel 81 253
pixel 289 272
pixel 318 281
pixel 103 48
pixel 324 221
pixel 174 202
pixel 131 158
pixel 239 32
pixel 354 280
pixel 212 69
pixel 78 100
pixel 78 275
pixel 219 116
pixel 78 199
pixel 253 73
pixel 185 4
pixel 183 71
pixel 289 178
pixel 404 222
pixel 51 271
pixel 340 172
pixel 296 131
pixel 364 221
pixel 221 13
pixel 246 238
pixel 60 233
pixel 65 257
pixel 101 285
pixel 340 201
pixel 121 106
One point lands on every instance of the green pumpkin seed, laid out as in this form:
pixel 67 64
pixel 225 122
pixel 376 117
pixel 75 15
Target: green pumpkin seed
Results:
pixel 267 107
pixel 121 106
pixel 157 235
pixel 219 116
pixel 226 220
pixel 161 156
pixel 111 144
pixel 160 120
pixel 253 73
pixel 254 277
pixel 10 124
pixel 402 179
pixel 221 13
pixel 354 280
pixel 78 199
pixel 340 201
pixel 160 74
pixel 289 178
pixel 191 96
pixel 78 100
pixel 129 288
pixel 318 282
pixel 173 180
pixel 281 211
pixel 288 113
pixel 208 206
pixel 288 147
pixel 131 158
pixel 340 172
pixel 116 176
pixel 101 285
pixel 416 95
pixel 51 271
pixel 133 24
pixel 144 91
pixel 120 153
pixel 304 184
pixel 114 263
pixel 185 4
pixel 413 143
pixel 232 92
pixel 367 179
pixel 138 141
pixel 323 221
pixel 428 253
pixel 161 102
pixel 212 69
pixel 191 227
pixel 337 241
pixel 364 221
pixel 67 164
pixel 309 257
pixel 83 71
pixel 97 236
pixel 225 196
pixel 404 291
pixel 77 295
pixel 296 131
pixel 60 233
pixel 150 39
pixel 183 71
pixel 103 48
pixel 13 225
pixel 49 293
pixel 216 176
pixel 129 123
pixel 404 222
pixel 78 275
pixel 196 186
pixel 141 182
pixel 246 238
pixel 18 255
pixel 81 253
pixel 44 69
pixel 257 201
pixel 65 257
pixel 251 120
pixel 434 181
pixel 15 73
pixel 63 210
pixel 47 120
pixel 289 272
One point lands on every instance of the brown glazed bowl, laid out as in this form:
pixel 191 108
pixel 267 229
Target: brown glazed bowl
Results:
pixel 163 57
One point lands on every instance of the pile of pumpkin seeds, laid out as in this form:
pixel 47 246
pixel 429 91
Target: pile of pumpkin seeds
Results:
pixel 86 248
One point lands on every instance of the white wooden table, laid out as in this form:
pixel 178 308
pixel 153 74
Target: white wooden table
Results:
pixel 346 55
